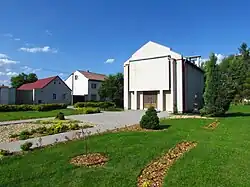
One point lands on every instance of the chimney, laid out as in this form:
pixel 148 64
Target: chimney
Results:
pixel 87 70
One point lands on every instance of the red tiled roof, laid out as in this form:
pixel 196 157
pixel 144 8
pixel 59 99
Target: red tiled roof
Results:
pixel 93 76
pixel 41 83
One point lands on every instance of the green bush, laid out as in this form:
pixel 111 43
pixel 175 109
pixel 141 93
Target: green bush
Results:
pixel 150 120
pixel 23 137
pixel 4 152
pixel 25 132
pixel 41 130
pixel 41 107
pixel 48 107
pixel 26 146
pixel 74 126
pixel 102 105
pixel 60 116
pixel 114 109
pixel 88 110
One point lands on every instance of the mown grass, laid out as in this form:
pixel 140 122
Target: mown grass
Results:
pixel 221 157
pixel 8 116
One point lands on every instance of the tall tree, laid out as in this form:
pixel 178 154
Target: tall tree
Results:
pixel 22 78
pixel 212 88
pixel 112 89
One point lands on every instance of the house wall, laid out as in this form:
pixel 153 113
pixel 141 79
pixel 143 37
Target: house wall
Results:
pixel 80 85
pixel 12 96
pixel 194 84
pixel 24 97
pixel 57 87
pixel 94 91
pixel 4 95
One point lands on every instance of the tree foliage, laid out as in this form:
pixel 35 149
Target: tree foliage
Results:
pixel 19 80
pixel 112 89
pixel 227 81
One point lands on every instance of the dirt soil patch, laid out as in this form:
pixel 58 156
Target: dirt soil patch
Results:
pixel 153 174
pixel 212 125
pixel 89 160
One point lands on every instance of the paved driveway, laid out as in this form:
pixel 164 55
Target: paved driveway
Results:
pixel 114 119
pixel 104 121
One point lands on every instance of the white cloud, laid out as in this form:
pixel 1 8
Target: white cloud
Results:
pixel 45 49
pixel 8 35
pixel 11 74
pixel 110 61
pixel 7 70
pixel 17 39
pixel 4 61
pixel 49 33
pixel 220 57
pixel 2 73
pixel 27 69
pixel 3 55
pixel 4 81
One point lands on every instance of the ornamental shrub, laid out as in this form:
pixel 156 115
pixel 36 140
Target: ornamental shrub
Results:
pixel 150 120
pixel 26 146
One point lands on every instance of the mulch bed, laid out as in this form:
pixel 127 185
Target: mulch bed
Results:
pixel 212 125
pixel 90 160
pixel 153 174
pixel 130 128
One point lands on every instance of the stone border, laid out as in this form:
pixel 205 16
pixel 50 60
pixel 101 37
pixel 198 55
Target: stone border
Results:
pixel 153 174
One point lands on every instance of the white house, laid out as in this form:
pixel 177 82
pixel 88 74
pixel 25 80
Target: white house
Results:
pixel 156 75
pixel 7 95
pixel 85 85
pixel 47 90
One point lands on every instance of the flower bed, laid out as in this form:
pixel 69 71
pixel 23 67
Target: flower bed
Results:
pixel 14 130
pixel 90 160
pixel 154 173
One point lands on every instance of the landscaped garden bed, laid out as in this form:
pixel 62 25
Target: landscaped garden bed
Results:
pixel 212 125
pixel 153 174
pixel 90 160
pixel 39 128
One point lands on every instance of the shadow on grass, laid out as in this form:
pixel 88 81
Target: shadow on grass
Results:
pixel 236 114
pixel 164 126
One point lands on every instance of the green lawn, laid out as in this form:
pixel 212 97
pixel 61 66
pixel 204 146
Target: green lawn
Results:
pixel 221 157
pixel 7 116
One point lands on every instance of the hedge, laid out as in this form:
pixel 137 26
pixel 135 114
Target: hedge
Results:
pixel 41 107
pixel 88 110
pixel 102 105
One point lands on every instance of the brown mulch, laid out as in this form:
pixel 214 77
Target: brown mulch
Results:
pixel 153 174
pixel 212 125
pixel 130 128
pixel 90 160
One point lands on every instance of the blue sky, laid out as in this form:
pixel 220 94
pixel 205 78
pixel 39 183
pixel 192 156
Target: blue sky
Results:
pixel 36 36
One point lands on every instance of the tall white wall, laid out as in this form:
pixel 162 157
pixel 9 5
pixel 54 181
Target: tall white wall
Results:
pixel 126 96
pixel 149 75
pixel 80 85
pixel 179 71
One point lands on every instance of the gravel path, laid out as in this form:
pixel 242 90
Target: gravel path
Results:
pixel 104 121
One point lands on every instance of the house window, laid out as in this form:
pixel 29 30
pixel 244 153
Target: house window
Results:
pixel 54 96
pixel 76 77
pixel 59 82
pixel 54 82
pixel 39 101
pixel 93 86
pixel 93 97
pixel 63 96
